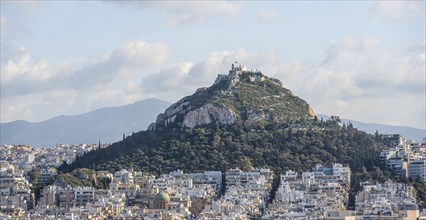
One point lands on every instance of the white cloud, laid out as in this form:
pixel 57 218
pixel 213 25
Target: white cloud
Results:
pixel 16 109
pixel 14 14
pixel 3 20
pixel 358 81
pixel 13 29
pixel 355 80
pixel 22 73
pixel 267 15
pixel 24 8
pixel 184 13
pixel 417 47
pixel 168 80
pixel 176 81
pixel 32 88
pixel 350 51
pixel 395 10
pixel 64 99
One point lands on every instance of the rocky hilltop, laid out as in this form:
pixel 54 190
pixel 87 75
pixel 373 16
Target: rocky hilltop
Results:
pixel 240 95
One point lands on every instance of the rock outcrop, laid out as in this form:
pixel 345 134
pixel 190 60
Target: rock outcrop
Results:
pixel 239 95
pixel 207 114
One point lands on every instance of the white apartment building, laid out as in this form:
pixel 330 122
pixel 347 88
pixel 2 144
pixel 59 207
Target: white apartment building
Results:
pixel 83 196
pixel 123 176
pixel 416 169
pixel 236 177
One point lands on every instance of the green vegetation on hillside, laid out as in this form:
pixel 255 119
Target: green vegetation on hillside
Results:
pixel 276 146
pixel 34 174
pixel 420 187
pixel 83 177
pixel 223 147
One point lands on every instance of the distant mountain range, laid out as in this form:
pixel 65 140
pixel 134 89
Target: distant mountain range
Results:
pixel 410 133
pixel 106 125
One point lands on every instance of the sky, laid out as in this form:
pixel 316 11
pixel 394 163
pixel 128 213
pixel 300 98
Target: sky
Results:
pixel 363 60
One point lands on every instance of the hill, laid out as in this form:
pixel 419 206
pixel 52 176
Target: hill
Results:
pixel 244 119
pixel 106 125
pixel 215 147
pixel 410 133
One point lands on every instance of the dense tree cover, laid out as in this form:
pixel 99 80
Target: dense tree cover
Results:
pixel 420 187
pixel 215 147
pixel 280 147
pixel 83 177
pixel 33 175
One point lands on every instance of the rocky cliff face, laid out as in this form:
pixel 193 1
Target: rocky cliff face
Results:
pixel 240 95
pixel 207 114
pixel 203 115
